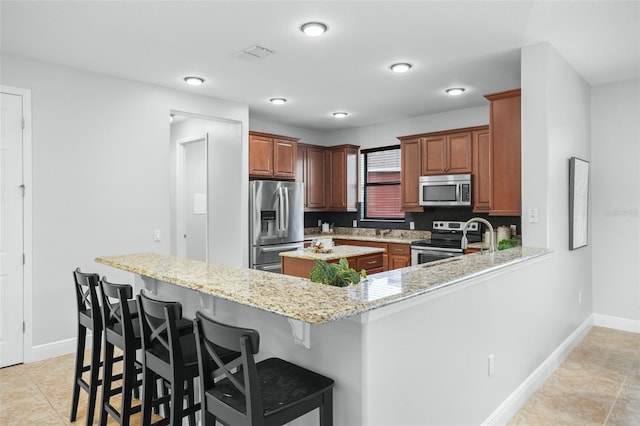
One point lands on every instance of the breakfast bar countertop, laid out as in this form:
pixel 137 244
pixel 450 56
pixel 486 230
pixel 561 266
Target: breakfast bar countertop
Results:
pixel 314 303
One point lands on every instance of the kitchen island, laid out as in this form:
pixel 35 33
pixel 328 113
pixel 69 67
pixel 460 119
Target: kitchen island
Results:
pixel 396 345
pixel 299 263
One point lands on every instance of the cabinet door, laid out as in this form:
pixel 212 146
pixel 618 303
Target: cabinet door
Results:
pixel 260 156
pixel 343 178
pixel 316 169
pixel 459 153
pixel 433 155
pixel 284 158
pixel 505 149
pixel 410 174
pixel 399 255
pixel 481 171
pixel 337 178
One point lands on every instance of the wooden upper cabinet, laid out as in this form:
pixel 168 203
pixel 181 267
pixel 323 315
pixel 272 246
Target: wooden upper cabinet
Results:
pixel 272 156
pixel 410 174
pixel 447 153
pixel 505 124
pixel 343 178
pixel 284 158
pixel 260 156
pixel 433 153
pixel 312 170
pixel 481 171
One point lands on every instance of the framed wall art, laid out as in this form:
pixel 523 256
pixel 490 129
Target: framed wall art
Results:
pixel 578 203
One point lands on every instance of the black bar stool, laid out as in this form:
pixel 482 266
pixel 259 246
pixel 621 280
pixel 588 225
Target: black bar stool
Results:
pixel 89 318
pixel 169 353
pixel 121 330
pixel 271 392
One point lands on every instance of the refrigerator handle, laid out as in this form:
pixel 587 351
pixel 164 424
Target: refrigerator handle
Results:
pixel 285 227
pixel 280 212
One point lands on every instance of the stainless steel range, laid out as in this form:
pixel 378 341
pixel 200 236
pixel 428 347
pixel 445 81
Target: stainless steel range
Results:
pixel 445 241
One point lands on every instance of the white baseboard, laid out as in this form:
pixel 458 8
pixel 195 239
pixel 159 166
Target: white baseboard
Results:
pixel 519 397
pixel 54 349
pixel 616 323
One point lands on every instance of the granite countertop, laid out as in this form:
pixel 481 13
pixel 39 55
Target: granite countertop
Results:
pixel 315 303
pixel 400 236
pixel 336 252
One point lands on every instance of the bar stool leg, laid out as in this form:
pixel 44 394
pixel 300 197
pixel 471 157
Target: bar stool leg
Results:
pixel 148 385
pixel 95 370
pixel 107 373
pixel 82 337
pixel 129 378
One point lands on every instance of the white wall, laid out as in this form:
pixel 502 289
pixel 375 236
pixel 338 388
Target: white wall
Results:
pixel 385 134
pixel 224 219
pixel 615 165
pixel 556 126
pixel 101 179
pixel 306 136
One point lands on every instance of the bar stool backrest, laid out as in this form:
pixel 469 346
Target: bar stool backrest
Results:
pixel 214 339
pixel 116 314
pixel 87 299
pixel 159 329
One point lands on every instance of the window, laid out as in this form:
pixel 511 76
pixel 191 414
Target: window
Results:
pixel 380 183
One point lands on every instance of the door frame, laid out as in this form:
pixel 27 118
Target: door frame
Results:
pixel 27 180
pixel 181 244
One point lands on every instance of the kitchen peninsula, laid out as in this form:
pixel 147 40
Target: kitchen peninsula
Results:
pixel 398 330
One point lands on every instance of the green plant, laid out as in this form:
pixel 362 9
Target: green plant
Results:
pixel 507 244
pixel 336 274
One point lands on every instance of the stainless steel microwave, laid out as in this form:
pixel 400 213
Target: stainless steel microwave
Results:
pixel 445 190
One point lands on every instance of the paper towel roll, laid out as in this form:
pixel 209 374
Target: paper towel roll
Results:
pixel 504 233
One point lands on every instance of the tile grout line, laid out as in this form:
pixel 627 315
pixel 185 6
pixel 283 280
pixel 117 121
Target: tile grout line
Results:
pixel 626 377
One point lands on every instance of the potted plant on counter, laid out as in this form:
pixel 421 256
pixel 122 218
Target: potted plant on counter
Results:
pixel 336 274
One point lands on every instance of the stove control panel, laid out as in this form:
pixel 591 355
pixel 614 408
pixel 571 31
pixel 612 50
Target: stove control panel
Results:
pixel 448 225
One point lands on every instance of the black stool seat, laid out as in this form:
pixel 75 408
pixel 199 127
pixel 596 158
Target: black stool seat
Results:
pixel 270 392
pixel 282 383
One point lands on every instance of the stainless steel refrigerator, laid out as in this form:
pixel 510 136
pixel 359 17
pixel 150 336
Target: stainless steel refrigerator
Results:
pixel 276 222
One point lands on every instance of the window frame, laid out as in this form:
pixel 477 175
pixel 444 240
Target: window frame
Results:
pixel 365 184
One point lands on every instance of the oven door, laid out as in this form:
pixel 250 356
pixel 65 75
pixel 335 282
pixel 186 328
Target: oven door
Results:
pixel 425 255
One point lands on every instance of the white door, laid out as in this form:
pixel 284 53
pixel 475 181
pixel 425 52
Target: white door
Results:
pixel 192 197
pixel 11 231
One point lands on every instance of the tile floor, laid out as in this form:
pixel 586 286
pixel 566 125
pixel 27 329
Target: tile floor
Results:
pixel 598 384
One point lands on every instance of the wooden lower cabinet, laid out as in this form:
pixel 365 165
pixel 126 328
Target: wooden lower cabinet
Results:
pixel 399 255
pixel 385 246
pixel 299 267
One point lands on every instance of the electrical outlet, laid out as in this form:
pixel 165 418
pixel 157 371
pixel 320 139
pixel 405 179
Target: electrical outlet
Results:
pixel 491 365
pixel 319 222
pixel 412 225
pixel 533 215
pixel 156 235
pixel 355 223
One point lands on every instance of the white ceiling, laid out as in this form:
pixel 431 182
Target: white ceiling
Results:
pixel 474 44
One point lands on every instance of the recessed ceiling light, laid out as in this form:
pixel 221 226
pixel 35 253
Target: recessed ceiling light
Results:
pixel 340 114
pixel 401 67
pixel 313 29
pixel 277 101
pixel 455 91
pixel 194 81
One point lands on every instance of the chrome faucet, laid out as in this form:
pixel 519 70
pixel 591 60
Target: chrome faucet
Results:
pixel 492 245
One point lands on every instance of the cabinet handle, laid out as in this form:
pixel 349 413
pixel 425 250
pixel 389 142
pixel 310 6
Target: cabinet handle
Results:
pixel 372 262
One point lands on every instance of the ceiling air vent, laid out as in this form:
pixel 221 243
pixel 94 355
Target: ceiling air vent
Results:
pixel 253 53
